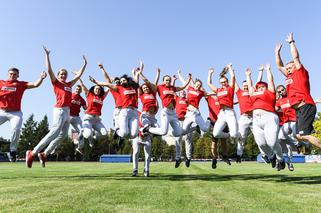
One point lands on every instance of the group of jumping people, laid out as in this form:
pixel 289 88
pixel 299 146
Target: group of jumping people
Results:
pixel 275 115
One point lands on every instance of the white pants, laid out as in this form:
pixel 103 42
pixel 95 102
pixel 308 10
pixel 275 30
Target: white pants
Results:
pixel 91 122
pixel 265 130
pixel 226 117
pixel 58 131
pixel 116 117
pixel 128 123
pixel 15 119
pixel 245 123
pixel 138 142
pixel 195 117
pixel 76 127
pixel 288 132
pixel 147 119
pixel 188 144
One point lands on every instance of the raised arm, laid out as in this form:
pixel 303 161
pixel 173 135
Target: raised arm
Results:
pixel 174 78
pixel 271 86
pixel 80 72
pixel 209 80
pixel 294 51
pixel 43 75
pixel 48 64
pixel 151 85
pixel 279 62
pixel 103 84
pixel 106 76
pixel 157 76
pixel 260 76
pixel 232 75
pixel 249 80
pixel 181 78
pixel 186 83
pixel 84 88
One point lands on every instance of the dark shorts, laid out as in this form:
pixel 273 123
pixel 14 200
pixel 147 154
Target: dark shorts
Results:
pixel 305 117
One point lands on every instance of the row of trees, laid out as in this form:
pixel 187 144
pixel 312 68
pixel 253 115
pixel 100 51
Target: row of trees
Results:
pixel 33 132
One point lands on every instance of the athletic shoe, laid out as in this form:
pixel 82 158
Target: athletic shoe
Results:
pixel 29 158
pixel 177 163
pixel 134 174
pixel 146 173
pixel 273 161
pixel 226 160
pixel 198 130
pixel 290 167
pixel 13 156
pixel 214 162
pixel 238 159
pixel 145 129
pixel 42 159
pixel 79 151
pixel 266 159
pixel 187 162
pixel 115 135
pixel 280 165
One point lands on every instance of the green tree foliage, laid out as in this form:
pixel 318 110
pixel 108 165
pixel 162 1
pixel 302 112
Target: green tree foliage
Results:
pixel 28 136
pixel 42 129
pixel 317 129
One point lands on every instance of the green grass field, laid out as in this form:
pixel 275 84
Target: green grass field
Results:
pixel 97 187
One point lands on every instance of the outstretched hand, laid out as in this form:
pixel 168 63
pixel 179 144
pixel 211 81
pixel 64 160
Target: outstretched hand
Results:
pixel 248 72
pixel 289 38
pixel 100 65
pixel 92 80
pixel 278 47
pixel 211 71
pixel 85 60
pixel 261 67
pixel 268 66
pixel 43 75
pixel 46 50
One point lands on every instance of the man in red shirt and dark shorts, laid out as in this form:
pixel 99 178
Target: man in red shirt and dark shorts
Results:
pixel 298 89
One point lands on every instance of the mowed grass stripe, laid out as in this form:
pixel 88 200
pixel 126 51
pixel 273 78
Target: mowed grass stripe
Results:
pixel 74 187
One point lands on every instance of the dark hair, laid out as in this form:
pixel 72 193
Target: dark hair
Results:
pixel 78 86
pixel 244 81
pixel 14 70
pixel 102 91
pixel 223 77
pixel 116 79
pixel 198 80
pixel 166 76
pixel 280 86
pixel 130 81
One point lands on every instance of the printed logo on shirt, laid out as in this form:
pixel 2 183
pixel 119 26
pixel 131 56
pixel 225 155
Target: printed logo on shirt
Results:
pixel 217 103
pixel 286 105
pixel 68 89
pixel 245 94
pixel 222 93
pixel 129 92
pixel 4 88
pixel 98 101
pixel 258 93
pixel 193 93
pixel 182 102
pixel 288 81
pixel 168 92
pixel 76 102
pixel 149 97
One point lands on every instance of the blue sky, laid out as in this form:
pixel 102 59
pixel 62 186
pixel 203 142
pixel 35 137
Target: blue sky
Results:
pixel 191 35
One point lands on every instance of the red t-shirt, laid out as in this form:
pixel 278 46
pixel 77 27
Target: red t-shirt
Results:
pixel 76 103
pixel 213 107
pixel 181 107
pixel 281 117
pixel 194 96
pixel 225 96
pixel 244 101
pixel 117 98
pixel 63 93
pixel 128 96
pixel 289 114
pixel 166 94
pixel 95 103
pixel 263 100
pixel 11 93
pixel 149 101
pixel 298 87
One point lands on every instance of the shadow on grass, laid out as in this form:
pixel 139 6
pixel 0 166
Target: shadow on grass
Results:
pixel 180 177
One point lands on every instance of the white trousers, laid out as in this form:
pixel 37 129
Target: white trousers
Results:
pixel 245 123
pixel 147 119
pixel 57 133
pixel 128 123
pixel 265 130
pixel 116 117
pixel 226 117
pixel 76 127
pixel 288 131
pixel 188 144
pixel 195 117
pixel 15 119
pixel 90 123
pixel 138 142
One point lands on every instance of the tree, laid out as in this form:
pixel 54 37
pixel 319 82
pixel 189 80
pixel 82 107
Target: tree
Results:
pixel 28 136
pixel 317 129
pixel 42 129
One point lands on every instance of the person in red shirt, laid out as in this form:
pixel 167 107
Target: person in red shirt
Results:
pixel 265 119
pixel 11 92
pixel 75 121
pixel 246 119
pixel 61 114
pixel 166 92
pixel 225 96
pixel 287 125
pixel 298 89
pixel 128 117
pixel 92 121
